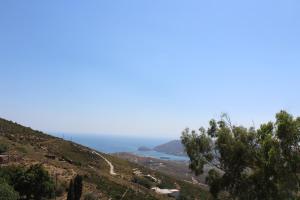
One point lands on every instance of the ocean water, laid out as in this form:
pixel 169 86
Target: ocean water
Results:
pixel 114 144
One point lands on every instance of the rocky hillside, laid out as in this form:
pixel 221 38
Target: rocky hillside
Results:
pixel 104 176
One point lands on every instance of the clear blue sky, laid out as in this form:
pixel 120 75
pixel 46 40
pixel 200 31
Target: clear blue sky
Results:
pixel 147 67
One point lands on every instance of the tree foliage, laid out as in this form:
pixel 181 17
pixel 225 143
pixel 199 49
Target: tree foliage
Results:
pixel 7 192
pixel 35 183
pixel 3 148
pixel 75 188
pixel 32 183
pixel 71 191
pixel 247 163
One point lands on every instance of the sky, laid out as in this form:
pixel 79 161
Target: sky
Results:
pixel 147 68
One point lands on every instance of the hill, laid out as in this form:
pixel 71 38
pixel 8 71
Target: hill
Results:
pixel 173 147
pixel 104 176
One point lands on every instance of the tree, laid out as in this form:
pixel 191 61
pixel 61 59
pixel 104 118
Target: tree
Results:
pixel 7 192
pixel 71 191
pixel 3 148
pixel 75 188
pixel 34 183
pixel 247 163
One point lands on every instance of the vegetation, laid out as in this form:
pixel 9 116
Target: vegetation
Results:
pixel 75 188
pixel 71 195
pixel 190 192
pixel 3 148
pixel 33 183
pixel 90 196
pixel 22 134
pixel 7 192
pixel 143 181
pixel 115 191
pixel 248 163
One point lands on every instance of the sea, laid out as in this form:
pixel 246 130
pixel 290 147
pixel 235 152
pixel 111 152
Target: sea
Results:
pixel 113 144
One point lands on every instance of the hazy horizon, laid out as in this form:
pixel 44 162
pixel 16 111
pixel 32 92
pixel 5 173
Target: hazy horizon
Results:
pixel 147 68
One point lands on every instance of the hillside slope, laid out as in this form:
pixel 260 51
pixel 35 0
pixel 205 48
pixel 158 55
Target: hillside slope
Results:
pixel 64 159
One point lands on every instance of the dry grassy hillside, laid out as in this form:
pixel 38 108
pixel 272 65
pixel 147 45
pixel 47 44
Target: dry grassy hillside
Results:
pixel 64 159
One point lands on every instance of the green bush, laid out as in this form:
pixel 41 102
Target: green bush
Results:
pixel 7 192
pixel 143 182
pixel 33 183
pixel 90 196
pixel 36 182
pixel 3 148
pixel 22 149
pixel 10 174
pixel 167 184
pixel 71 191
pixel 75 188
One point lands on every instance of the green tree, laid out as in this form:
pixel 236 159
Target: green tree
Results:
pixel 71 191
pixel 3 148
pixel 7 192
pixel 247 163
pixel 34 183
pixel 77 187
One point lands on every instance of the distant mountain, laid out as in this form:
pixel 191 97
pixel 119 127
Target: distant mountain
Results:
pixel 173 147
pixel 143 148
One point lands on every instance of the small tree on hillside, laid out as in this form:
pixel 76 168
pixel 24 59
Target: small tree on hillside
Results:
pixel 34 183
pixel 71 191
pixel 7 192
pixel 3 148
pixel 75 188
pixel 248 163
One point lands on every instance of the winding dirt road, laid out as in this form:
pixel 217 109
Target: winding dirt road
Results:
pixel 111 171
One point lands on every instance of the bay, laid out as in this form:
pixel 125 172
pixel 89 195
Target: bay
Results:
pixel 114 144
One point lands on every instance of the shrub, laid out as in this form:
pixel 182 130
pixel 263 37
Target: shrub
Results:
pixel 75 188
pixel 90 196
pixel 7 192
pixel 22 149
pixel 3 148
pixel 34 182
pixel 71 191
pixel 143 181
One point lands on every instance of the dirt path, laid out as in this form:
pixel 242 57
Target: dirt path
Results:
pixel 111 171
